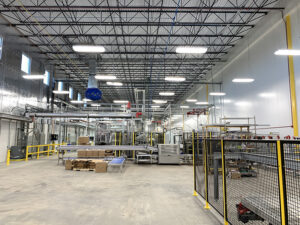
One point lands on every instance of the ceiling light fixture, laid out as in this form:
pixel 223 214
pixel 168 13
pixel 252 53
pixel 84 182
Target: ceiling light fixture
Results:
pixel 184 107
pixel 160 101
pixel 242 80
pixel 88 48
pixel 191 100
pixel 34 77
pixel 105 77
pixel 201 103
pixel 95 105
pixel 191 50
pixel 267 95
pixel 60 92
pixel 175 79
pixel 166 93
pixel 77 102
pixel 120 101
pixel 155 106
pixel 291 52
pixel 87 100
pixel 114 83
pixel 217 93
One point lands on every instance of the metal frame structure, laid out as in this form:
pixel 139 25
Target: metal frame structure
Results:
pixel 140 38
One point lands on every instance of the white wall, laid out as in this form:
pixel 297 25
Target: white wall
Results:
pixel 254 57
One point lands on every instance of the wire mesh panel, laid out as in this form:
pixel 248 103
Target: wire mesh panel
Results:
pixel 214 173
pixel 252 186
pixel 199 163
pixel 292 177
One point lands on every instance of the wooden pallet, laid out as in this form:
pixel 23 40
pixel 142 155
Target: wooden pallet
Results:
pixel 77 169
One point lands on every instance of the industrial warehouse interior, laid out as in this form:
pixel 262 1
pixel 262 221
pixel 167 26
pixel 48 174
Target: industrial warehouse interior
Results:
pixel 155 112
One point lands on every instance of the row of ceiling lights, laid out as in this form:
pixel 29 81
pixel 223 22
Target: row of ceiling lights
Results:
pixel 181 50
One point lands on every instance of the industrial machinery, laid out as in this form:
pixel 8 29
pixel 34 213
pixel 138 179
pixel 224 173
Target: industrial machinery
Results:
pixel 168 154
pixel 102 134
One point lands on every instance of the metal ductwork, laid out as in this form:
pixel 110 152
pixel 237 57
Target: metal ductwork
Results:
pixel 92 82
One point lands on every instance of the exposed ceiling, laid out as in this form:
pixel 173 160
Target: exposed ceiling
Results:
pixel 140 38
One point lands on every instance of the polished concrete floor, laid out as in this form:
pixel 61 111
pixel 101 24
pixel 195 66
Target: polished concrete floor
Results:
pixel 40 193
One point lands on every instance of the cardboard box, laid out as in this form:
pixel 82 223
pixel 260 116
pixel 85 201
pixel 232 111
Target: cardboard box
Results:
pixel 235 175
pixel 101 167
pixel 80 164
pixel 84 140
pixel 81 153
pixel 68 165
pixel 95 153
pixel 90 153
pixel 101 153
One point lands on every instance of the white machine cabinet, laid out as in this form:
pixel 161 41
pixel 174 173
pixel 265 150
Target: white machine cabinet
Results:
pixel 168 154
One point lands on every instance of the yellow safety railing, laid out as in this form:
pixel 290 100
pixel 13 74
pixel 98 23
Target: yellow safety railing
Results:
pixel 38 152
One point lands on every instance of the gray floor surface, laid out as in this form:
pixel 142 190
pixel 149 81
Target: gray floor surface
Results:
pixel 42 193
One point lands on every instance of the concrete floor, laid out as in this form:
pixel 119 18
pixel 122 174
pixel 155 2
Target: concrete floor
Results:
pixel 40 192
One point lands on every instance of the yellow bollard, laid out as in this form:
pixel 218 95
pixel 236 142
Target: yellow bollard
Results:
pixel 8 158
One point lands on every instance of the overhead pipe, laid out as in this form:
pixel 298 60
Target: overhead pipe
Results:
pixel 80 115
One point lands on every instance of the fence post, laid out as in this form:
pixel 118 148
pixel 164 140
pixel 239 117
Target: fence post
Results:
pixel 115 143
pixel 206 178
pixel 120 136
pixel 8 157
pixel 282 183
pixel 133 140
pixel 224 184
pixel 151 139
pixel 26 155
pixel 194 162
pixel 38 152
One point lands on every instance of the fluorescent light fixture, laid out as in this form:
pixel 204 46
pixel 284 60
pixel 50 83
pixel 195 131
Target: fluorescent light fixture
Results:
pixel 292 52
pixel 34 77
pixel 201 103
pixel 191 100
pixel 120 101
pixel 217 93
pixel 155 106
pixel 242 103
pixel 105 77
pixel 227 101
pixel 160 101
pixel 114 83
pixel 87 100
pixel 267 95
pixel 88 48
pixel 166 93
pixel 184 107
pixel 60 92
pixel 175 79
pixel 95 105
pixel 191 50
pixel 77 102
pixel 242 80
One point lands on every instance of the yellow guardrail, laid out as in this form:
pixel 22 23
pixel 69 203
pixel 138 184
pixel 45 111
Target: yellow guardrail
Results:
pixel 51 148
pixel 38 152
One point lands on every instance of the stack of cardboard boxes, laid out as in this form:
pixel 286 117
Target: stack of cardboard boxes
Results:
pixel 98 165
pixel 94 153
pixel 84 140
pixel 233 169
pixel 89 160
